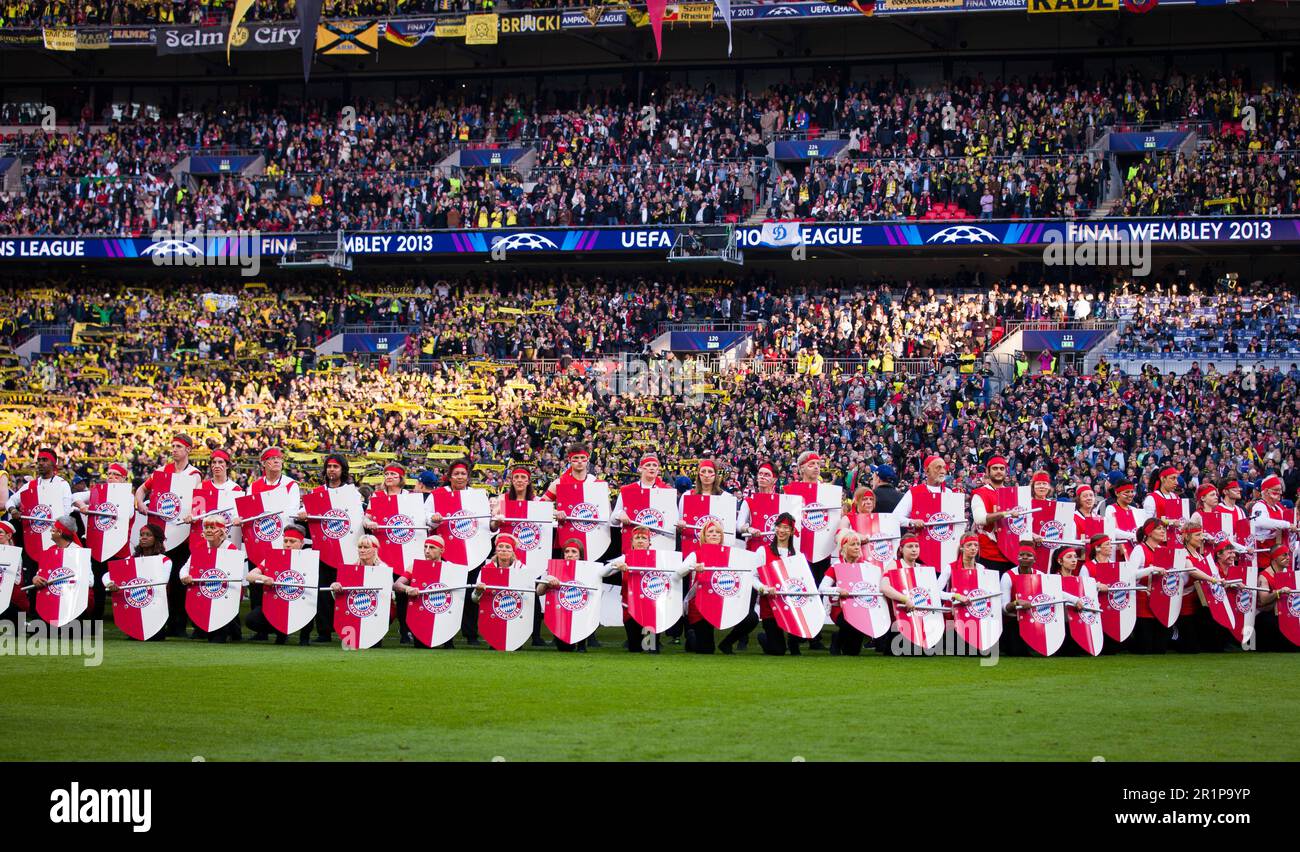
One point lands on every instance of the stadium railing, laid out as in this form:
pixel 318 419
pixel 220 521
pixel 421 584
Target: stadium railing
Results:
pixel 1062 325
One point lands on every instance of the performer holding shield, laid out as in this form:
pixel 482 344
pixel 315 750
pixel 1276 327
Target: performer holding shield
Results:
pixel 723 592
pixel 200 560
pixel 35 506
pixel 274 479
pixel 149 544
pixel 1277 623
pixel 989 505
pixel 784 543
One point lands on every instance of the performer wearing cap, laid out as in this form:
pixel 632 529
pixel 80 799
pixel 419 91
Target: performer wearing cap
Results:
pixel 783 543
pixel 273 478
pixel 1230 502
pixel 62 536
pixel 1122 520
pixel 51 483
pixel 1196 629
pixel 635 632
pixel 1087 521
pixel 214 539
pixel 1207 513
pixel 1269 519
pixel 150 544
pixel 909 556
pixel 936 471
pixel 295 538
pixel 182 444
pixel 1012 644
pixel 434 545
pixel 571 551
pixel 115 473
pixel 699 633
pixel 986 515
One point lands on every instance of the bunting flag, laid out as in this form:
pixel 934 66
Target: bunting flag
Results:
pixel 308 19
pixel 656 11
pixel 724 9
pixel 236 18
pixel 356 38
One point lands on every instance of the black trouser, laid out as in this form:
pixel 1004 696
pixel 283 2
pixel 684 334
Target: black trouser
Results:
pixel 565 646
pixel 469 621
pixel 1011 643
pixel 1269 637
pixel 99 595
pixel 699 637
pixel 255 593
pixel 892 644
pixel 744 627
pixel 402 601
pixel 635 634
pixel 30 567
pixel 539 617
pixel 1149 637
pixel 775 640
pixel 176 618
pixel 325 604
pixel 850 638
pixel 819 569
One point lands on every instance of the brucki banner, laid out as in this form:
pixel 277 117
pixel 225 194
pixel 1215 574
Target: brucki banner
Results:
pixel 172 40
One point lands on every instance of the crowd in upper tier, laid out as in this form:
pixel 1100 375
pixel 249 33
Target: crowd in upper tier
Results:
pixel 971 148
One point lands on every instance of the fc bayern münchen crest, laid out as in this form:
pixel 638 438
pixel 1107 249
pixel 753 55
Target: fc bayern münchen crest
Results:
pixel 1169 584
pixel 1087 615
pixel 507 605
pixel 207 585
pixel 104 521
pixel 650 517
pixel 268 528
pixel 654 585
pixel 1293 605
pixel 46 515
pixel 942 528
pixel 982 608
pixel 169 505
pixel 572 598
pixel 1044 611
pixel 136 593
pixel 867 593
pixel 794 584
pixel 363 602
pixel 461 528
pixel 1052 531
pixel 529 535
pixel 55 587
pixel 290 593
pixel 581 512
pixel 1245 600
pixel 336 524
pixel 816 517
pixel 1119 601
pixel 725 583
pixel 401 529
pixel 436 602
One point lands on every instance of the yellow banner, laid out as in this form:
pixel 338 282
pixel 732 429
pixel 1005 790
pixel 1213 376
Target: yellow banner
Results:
pixel 348 38
pixel 60 39
pixel 1041 6
pixel 695 13
pixel 482 29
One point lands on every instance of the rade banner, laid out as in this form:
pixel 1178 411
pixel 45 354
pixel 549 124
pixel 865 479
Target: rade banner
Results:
pixel 1044 6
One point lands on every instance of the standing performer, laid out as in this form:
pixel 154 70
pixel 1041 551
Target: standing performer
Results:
pixel 458 486
pixel 773 640
pixel 48 496
pixel 818 526
pixel 214 539
pixel 1163 501
pixel 847 641
pixel 579 494
pixel 756 518
pixel 116 474
pixel 986 514
pixel 1122 520
pixel 344 527
pixel 699 633
pixel 150 544
pixel 1269 520
pixel 273 478
pixel 1230 502
pixel 295 538
pixel 1150 636
pixel 1087 521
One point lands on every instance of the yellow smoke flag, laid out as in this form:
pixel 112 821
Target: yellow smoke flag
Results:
pixel 241 9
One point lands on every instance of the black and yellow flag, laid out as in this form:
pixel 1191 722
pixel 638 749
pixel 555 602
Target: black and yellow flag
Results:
pixel 241 9
pixel 348 38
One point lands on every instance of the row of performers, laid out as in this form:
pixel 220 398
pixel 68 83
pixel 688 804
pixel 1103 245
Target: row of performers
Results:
pixel 902 606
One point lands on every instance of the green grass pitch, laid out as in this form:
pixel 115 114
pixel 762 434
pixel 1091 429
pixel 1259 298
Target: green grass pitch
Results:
pixel 179 700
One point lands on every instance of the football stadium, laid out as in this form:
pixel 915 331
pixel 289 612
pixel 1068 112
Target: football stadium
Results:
pixel 500 380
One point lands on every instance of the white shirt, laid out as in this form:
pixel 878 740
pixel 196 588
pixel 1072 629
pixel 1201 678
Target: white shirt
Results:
pixel 62 495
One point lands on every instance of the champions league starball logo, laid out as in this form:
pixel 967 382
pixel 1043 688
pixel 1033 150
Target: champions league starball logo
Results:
pixel 267 529
pixel 654 585
pixel 136 593
pixel 55 587
pixel 583 512
pixel 43 511
pixel 208 585
pixel 1044 611
pixel 104 522
pixel 363 603
pixel 572 598
pixel 942 528
pixel 169 506
pixel 507 605
pixel 290 593
pixel 529 535
pixel 461 527
pixel 336 524
pixel 725 583
pixel 963 234
pixel 816 517
pixel 436 602
pixel 401 529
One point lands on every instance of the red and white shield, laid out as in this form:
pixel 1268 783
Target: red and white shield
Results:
pixel 1012 528
pixel 334 521
pixel 68 593
pixel 724 576
pixel 108 520
pixel 208 498
pixel 819 517
pixel 862 605
pixel 1085 624
pixel 140 602
pixel 1119 605
pixel 652 588
pixel 292 606
pixel 1244 601
pixel 764 509
pixel 212 600
pixel 654 507
pixel 1219 525
pixel 587 506
pixel 171 498
pixel 402 529
pixel 1053 522
pixel 361 610
pixel 1288 606
pixel 534 530
pixel 942 514
pixel 797 606
pixel 1042 625
pixel 37 504
pixel 11 571
pixel 923 627
pixel 466 525
pixel 979 622
pixel 700 509
pixel 263 523
pixel 505 615
pixel 1166 596
pixel 435 614
pixel 880 536
pixel 572 611
pixel 1218 599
